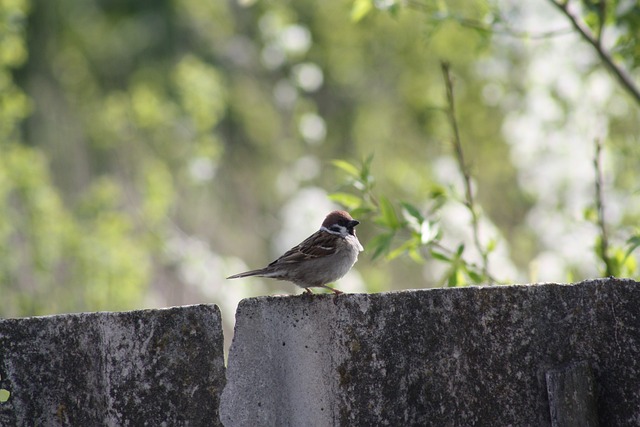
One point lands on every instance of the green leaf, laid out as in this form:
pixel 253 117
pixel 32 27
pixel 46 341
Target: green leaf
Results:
pixel 475 277
pixel 491 246
pixel 380 244
pixel 360 211
pixel 389 217
pixel 590 214
pixel 403 248
pixel 413 211
pixel 415 255
pixel 347 200
pixel 437 192
pixel 439 256
pixel 634 243
pixel 592 20
pixel 453 278
pixel 365 172
pixel 614 264
pixel 460 278
pixel 630 266
pixel 366 164
pixel 360 9
pixel 347 167
pixel 429 232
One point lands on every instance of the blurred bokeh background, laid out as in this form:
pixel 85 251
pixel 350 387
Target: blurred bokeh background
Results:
pixel 149 149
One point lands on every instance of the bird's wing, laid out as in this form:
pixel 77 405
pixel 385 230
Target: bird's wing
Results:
pixel 315 246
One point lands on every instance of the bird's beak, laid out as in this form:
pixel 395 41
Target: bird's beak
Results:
pixel 353 223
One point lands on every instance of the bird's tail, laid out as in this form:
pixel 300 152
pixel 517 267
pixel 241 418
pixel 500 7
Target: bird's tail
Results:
pixel 259 272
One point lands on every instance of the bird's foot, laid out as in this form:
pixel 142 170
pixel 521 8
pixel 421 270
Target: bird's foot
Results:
pixel 335 291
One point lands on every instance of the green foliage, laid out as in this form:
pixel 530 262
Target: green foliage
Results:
pixel 14 104
pixel 87 251
pixel 619 18
pixel 201 92
pixel 633 243
pixel 627 24
pixel 621 21
pixel 404 229
pixel 124 125
pixel 53 259
pixel 360 9
pixel 618 261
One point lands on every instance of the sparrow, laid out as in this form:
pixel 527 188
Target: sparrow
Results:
pixel 324 257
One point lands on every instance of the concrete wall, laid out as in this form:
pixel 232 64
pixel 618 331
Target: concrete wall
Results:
pixel 149 367
pixel 538 355
pixel 442 357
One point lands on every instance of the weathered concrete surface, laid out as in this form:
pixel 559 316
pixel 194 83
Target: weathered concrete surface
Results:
pixel 572 396
pixel 140 368
pixel 442 357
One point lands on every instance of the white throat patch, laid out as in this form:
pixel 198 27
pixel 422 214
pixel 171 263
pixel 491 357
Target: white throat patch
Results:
pixel 336 229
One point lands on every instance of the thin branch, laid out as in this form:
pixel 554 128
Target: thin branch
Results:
pixel 457 145
pixel 621 75
pixel 508 31
pixel 504 30
pixel 604 237
pixel 594 40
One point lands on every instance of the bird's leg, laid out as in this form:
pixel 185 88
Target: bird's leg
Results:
pixel 335 291
pixel 308 291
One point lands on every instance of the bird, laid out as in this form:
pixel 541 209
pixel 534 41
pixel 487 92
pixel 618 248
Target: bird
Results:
pixel 324 257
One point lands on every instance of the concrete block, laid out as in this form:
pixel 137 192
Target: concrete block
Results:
pixel 141 368
pixel 441 357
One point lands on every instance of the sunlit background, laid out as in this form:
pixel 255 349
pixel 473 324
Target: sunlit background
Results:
pixel 152 148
